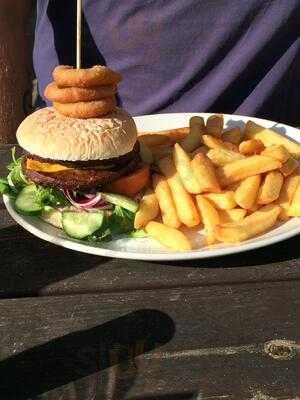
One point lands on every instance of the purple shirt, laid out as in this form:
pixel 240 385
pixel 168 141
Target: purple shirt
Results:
pixel 230 56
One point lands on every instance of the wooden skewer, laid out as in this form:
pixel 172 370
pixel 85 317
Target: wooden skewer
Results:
pixel 78 34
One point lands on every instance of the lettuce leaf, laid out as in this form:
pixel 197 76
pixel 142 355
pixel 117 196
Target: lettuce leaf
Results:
pixel 138 233
pixel 120 221
pixel 50 197
pixel 16 180
pixel 102 235
pixel 4 186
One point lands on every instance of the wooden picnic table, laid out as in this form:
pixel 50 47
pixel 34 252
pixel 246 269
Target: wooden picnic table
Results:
pixel 77 326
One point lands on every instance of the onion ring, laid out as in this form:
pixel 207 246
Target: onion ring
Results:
pixel 89 109
pixel 74 95
pixel 68 76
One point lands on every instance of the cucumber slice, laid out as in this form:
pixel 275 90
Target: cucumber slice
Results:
pixel 122 201
pixel 26 201
pixel 78 225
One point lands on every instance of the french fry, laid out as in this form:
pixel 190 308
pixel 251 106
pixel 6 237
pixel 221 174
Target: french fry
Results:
pixel 167 136
pixel 223 201
pixel 246 194
pixel 154 139
pixel 254 208
pixel 169 237
pixel 277 151
pixel 161 152
pixel 194 138
pixel 231 146
pixel 241 169
pixel 234 215
pixel 177 134
pixel 294 208
pixel 214 125
pixel 148 209
pixel 233 135
pixel 221 156
pixel 254 224
pixel 202 149
pixel 184 203
pixel 183 166
pixel 246 206
pixel 212 142
pixel 233 186
pixel 250 147
pixel 165 201
pixel 270 137
pixel 146 153
pixel 215 143
pixel 205 174
pixel 287 192
pixel 289 166
pixel 209 215
pixel 270 188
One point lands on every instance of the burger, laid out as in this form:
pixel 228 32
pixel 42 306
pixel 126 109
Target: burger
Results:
pixel 78 154
pixel 82 175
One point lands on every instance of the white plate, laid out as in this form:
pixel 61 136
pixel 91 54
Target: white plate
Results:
pixel 147 249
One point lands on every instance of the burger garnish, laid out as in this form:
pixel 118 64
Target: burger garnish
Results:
pixel 78 173
pixel 77 178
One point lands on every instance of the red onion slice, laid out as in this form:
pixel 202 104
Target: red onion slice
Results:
pixel 103 205
pixel 83 203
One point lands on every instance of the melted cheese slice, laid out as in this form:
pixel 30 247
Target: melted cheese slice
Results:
pixel 44 167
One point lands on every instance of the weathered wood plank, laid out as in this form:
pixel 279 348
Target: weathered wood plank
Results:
pixel 214 343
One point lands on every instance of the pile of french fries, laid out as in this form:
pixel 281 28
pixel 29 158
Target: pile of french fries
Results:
pixel 237 183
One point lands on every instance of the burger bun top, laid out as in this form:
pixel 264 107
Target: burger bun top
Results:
pixel 48 134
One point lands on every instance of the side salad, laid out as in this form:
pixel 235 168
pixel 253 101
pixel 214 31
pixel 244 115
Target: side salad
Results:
pixel 94 217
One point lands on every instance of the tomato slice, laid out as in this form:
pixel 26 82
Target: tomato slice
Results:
pixel 131 184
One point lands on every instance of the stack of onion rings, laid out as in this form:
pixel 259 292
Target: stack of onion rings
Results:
pixel 88 109
pixel 83 93
pixel 68 76
pixel 75 94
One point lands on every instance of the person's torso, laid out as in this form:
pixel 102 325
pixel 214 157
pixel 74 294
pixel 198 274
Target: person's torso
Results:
pixel 188 56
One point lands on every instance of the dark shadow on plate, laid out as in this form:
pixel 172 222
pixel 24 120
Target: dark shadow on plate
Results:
pixel 286 250
pixel 28 263
pixel 235 123
pixel 82 353
pixel 172 396
pixel 241 124
pixel 280 129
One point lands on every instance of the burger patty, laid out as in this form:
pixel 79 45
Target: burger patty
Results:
pixel 80 178
pixel 115 162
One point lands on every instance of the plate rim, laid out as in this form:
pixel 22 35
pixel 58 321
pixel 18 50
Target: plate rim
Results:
pixel 206 115
pixel 166 256
pixel 171 256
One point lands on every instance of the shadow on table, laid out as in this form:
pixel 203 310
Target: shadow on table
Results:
pixel 82 353
pixel 28 264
